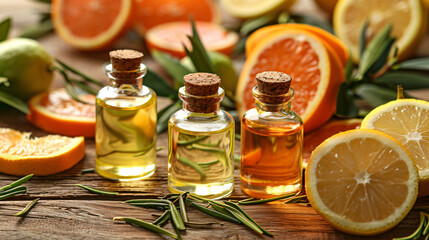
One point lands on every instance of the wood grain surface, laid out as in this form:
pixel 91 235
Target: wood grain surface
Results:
pixel 68 212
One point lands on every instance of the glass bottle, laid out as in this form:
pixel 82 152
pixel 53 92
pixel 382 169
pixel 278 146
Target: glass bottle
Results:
pixel 271 140
pixel 125 120
pixel 201 140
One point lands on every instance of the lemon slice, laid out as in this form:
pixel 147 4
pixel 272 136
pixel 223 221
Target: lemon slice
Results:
pixel 408 18
pixel 363 182
pixel 254 8
pixel 407 120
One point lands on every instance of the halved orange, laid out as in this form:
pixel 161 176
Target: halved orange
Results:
pixel 56 112
pixel 90 25
pixel 314 67
pixel 340 49
pixel 150 13
pixel 21 155
pixel 170 37
pixel 315 138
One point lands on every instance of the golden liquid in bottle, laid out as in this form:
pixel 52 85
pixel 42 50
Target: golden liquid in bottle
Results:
pixel 271 159
pixel 201 162
pixel 126 137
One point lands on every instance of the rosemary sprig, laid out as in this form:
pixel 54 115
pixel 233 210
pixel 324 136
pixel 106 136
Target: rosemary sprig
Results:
pixel 27 209
pixel 146 225
pixel 214 213
pixel 183 207
pixel 193 165
pixel 17 183
pixel 163 219
pixel 194 140
pixel 97 191
pixel 418 233
pixel 19 188
pixel 250 202
pixel 87 170
pixel 12 193
pixel 151 205
pixel 200 225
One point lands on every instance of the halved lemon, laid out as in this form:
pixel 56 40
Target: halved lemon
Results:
pixel 21 155
pixel 408 18
pixel 407 120
pixel 363 182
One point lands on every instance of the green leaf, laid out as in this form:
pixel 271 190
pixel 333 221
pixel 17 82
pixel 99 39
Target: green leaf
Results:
pixel 164 116
pixel 14 102
pixel 199 55
pixel 362 39
pixel 414 64
pixel 346 106
pixel 159 85
pixel 382 59
pixel 348 70
pixel 4 28
pixel 305 19
pixel 376 95
pixel 409 80
pixel 239 47
pixel 252 24
pixel 284 17
pixel 373 51
pixel 37 30
pixel 172 66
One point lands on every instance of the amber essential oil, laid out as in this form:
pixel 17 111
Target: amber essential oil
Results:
pixel 126 126
pixel 271 141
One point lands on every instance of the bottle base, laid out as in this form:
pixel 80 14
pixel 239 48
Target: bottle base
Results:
pixel 270 191
pixel 216 190
pixel 125 173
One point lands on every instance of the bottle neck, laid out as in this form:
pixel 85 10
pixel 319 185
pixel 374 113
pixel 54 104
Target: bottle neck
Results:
pixel 272 103
pixel 201 104
pixel 126 80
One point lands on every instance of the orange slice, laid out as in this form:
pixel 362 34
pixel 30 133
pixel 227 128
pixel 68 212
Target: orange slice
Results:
pixel 315 138
pixel 170 38
pixel 340 49
pixel 90 25
pixel 363 181
pixel 21 155
pixel 56 112
pixel 313 66
pixel 149 13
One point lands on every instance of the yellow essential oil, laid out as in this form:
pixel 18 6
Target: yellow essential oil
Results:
pixel 271 140
pixel 125 121
pixel 201 141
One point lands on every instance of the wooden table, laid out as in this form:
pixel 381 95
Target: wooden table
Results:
pixel 68 212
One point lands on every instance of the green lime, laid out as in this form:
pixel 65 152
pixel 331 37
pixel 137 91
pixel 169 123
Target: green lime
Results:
pixel 223 67
pixel 26 66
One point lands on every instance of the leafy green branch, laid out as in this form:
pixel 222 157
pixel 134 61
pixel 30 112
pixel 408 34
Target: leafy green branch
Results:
pixel 378 74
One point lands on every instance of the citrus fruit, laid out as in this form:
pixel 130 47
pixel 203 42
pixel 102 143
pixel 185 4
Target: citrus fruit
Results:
pixel 363 181
pixel 56 112
pixel 149 13
pixel 407 120
pixel 340 49
pixel 315 138
pixel 26 66
pixel 91 25
pixel 21 155
pixel 314 67
pixel 255 8
pixel 327 5
pixel 408 18
pixel 170 37
pixel 223 67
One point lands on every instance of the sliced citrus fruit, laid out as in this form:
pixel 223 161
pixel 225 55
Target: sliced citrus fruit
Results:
pixel 363 181
pixel 315 138
pixel 314 68
pixel 21 155
pixel 90 25
pixel 170 37
pixel 407 120
pixel 149 13
pixel 340 49
pixel 255 8
pixel 56 112
pixel 408 18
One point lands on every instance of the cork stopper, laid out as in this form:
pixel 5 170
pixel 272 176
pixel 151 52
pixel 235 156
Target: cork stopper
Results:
pixel 273 83
pixel 126 59
pixel 201 84
pixel 201 92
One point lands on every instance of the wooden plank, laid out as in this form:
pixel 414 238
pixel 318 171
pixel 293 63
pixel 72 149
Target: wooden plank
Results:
pixel 75 219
